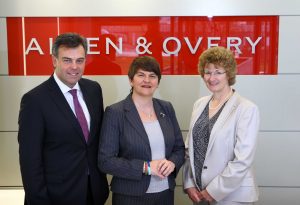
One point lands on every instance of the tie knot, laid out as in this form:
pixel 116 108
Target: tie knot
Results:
pixel 73 92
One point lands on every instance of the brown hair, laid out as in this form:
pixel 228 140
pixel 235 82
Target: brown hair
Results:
pixel 219 56
pixel 68 40
pixel 146 63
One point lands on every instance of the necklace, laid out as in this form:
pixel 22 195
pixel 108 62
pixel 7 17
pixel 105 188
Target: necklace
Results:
pixel 221 101
pixel 147 114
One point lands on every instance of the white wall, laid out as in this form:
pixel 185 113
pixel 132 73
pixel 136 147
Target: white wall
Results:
pixel 148 7
pixel 278 96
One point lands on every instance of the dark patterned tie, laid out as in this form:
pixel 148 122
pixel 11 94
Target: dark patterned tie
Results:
pixel 80 114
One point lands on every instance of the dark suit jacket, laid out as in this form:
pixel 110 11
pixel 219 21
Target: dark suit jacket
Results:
pixel 54 157
pixel 124 145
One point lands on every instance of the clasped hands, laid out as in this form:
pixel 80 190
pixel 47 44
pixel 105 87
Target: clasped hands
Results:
pixel 162 168
pixel 196 196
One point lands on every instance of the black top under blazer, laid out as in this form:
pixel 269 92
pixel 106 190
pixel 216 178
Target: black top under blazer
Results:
pixel 124 145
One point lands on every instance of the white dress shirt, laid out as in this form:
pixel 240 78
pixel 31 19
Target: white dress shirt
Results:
pixel 65 90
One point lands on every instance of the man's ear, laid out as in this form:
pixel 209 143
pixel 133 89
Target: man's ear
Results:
pixel 54 61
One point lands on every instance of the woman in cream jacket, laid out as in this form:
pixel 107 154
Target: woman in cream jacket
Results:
pixel 222 137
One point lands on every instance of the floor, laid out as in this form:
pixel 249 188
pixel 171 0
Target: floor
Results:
pixel 11 196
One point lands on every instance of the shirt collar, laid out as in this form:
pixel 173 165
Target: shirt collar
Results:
pixel 63 87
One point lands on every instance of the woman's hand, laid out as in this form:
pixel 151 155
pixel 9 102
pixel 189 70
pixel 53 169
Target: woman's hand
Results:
pixel 166 167
pixel 162 168
pixel 154 166
pixel 206 196
pixel 194 194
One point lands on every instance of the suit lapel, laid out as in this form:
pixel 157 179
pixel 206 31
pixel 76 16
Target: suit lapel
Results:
pixel 131 114
pixel 163 117
pixel 198 111
pixel 227 110
pixel 61 102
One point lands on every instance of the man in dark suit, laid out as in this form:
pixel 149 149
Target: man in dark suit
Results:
pixel 59 133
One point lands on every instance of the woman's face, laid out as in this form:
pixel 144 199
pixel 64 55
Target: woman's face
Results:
pixel 215 78
pixel 144 83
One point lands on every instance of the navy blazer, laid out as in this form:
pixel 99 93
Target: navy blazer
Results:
pixel 124 145
pixel 54 157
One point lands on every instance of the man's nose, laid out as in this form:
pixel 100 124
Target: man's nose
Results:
pixel 74 64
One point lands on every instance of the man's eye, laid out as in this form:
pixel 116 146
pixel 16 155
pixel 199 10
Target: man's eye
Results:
pixel 80 61
pixel 67 60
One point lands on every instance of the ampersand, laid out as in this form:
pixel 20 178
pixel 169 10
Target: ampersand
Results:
pixel 142 43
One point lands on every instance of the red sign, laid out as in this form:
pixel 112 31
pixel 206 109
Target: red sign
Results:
pixel 176 42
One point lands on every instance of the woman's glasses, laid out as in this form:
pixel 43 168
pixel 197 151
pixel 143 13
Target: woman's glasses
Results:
pixel 214 73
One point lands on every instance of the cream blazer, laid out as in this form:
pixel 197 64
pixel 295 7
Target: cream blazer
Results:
pixel 227 171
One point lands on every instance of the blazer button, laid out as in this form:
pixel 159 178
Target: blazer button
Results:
pixel 204 167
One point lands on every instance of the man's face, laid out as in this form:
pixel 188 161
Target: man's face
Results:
pixel 69 65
